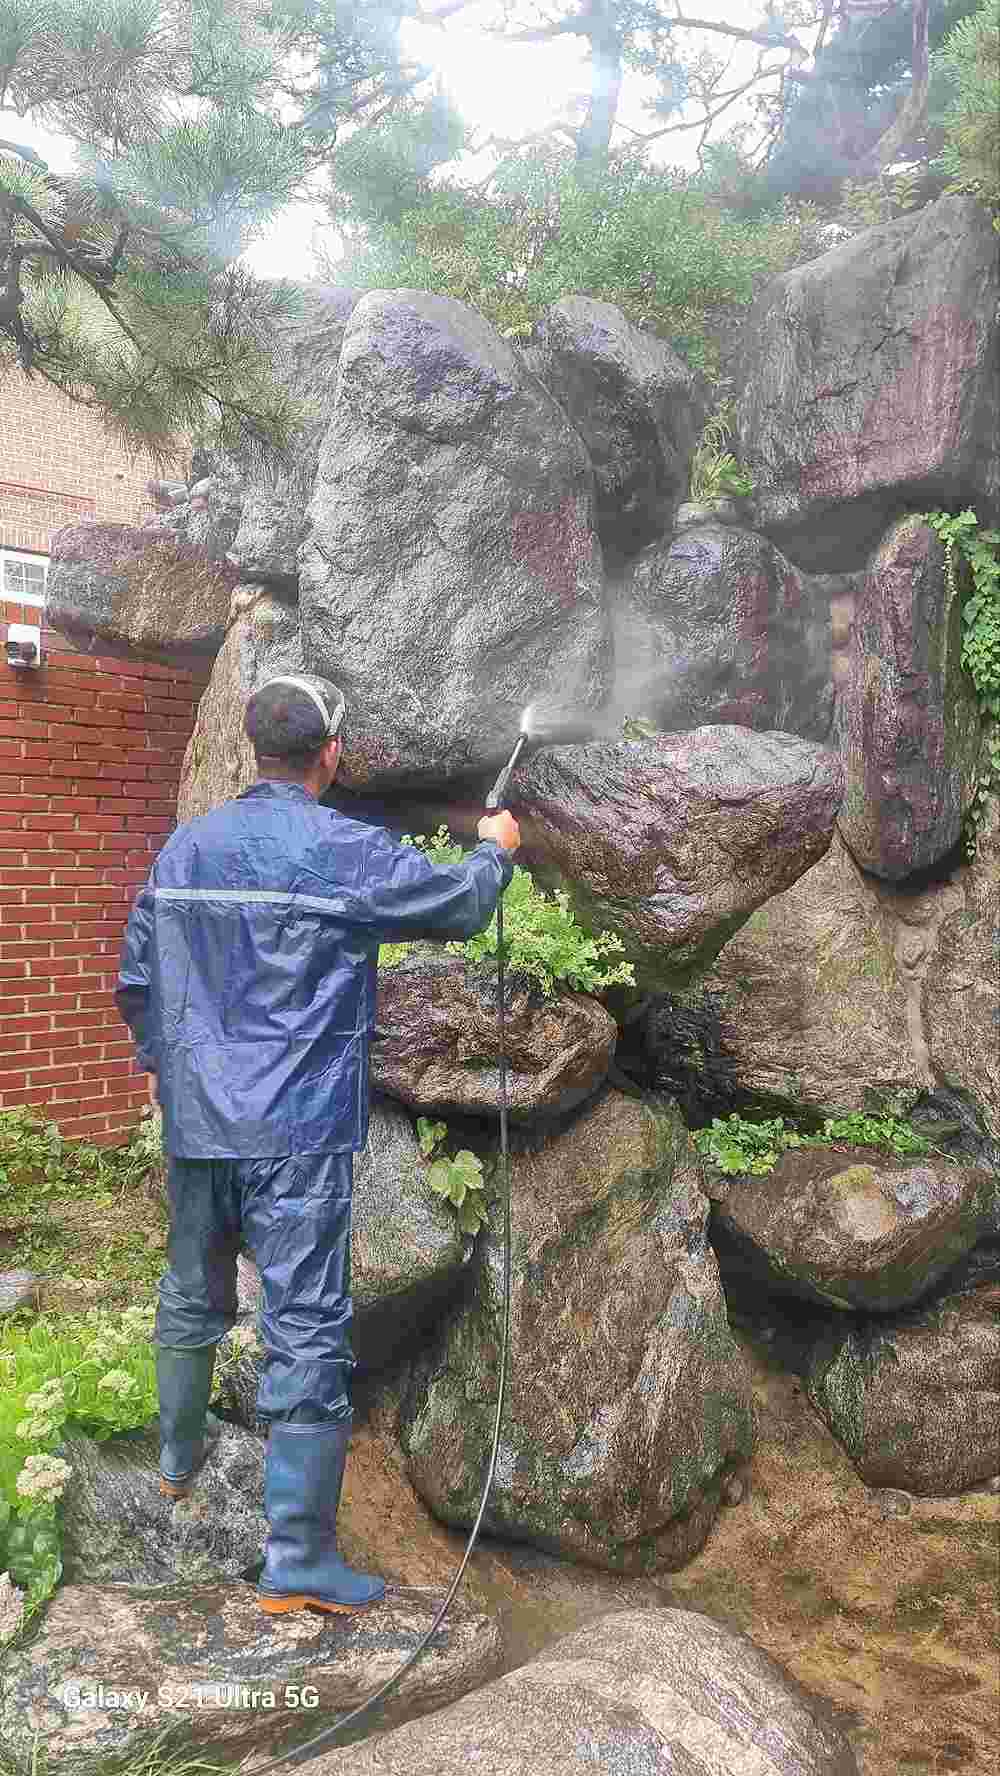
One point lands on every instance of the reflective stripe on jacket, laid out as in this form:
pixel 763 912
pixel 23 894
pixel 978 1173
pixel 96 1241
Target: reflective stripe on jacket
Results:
pixel 248 972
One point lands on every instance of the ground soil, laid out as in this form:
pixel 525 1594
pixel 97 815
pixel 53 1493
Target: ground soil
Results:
pixel 884 1605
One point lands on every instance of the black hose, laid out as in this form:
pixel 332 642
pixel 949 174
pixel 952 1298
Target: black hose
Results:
pixel 303 1753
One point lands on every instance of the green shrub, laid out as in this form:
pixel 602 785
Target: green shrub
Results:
pixel 96 1373
pixel 542 940
pixel 737 1146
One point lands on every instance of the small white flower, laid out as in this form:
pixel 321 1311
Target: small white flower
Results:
pixel 35 1430
pixel 118 1382
pixel 48 1398
pixel 11 1608
pixel 43 1477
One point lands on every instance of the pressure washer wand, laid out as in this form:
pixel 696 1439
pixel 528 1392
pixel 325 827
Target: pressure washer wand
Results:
pixel 497 797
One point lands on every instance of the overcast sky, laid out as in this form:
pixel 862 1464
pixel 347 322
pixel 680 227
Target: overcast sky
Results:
pixel 507 89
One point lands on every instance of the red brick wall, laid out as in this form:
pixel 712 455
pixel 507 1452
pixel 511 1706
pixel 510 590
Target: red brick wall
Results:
pixel 59 466
pixel 90 755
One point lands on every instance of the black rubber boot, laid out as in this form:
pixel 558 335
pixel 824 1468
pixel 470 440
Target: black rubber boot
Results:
pixel 302 1484
pixel 187 1428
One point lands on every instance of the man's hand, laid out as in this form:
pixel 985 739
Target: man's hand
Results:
pixel 502 828
pixel 154 1096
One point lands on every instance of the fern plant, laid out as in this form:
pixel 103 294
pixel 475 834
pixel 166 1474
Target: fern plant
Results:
pixel 961 535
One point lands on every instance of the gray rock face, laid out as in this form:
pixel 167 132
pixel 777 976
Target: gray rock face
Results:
pixel 869 386
pixel 916 1403
pixel 844 984
pixel 635 404
pixel 119 1529
pixel 272 524
pixel 263 640
pixel 121 590
pixel 672 842
pixel 714 625
pixel 629 1400
pixel 451 570
pixel 910 717
pixel 851 1228
pixel 18 1288
pixel 640 1693
pixel 408 1254
pixel 438 1046
pixel 192 1652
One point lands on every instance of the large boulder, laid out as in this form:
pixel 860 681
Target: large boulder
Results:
pixel 452 570
pixel 916 1402
pixel 273 525
pixel 849 1228
pixel 262 640
pixel 637 407
pixel 628 1398
pixel 115 1669
pixel 119 1529
pixel 438 1039
pixel 714 625
pixel 868 384
pixel 910 720
pixel 663 1692
pixel 844 984
pixel 672 842
pixel 119 589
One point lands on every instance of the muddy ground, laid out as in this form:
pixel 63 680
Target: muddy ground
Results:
pixel 886 1606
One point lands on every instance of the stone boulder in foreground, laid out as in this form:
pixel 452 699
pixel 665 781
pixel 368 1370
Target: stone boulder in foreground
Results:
pixel 629 1400
pixel 194 1651
pixel 636 405
pixel 451 570
pixel 869 384
pixel 122 590
pixel 672 842
pixel 852 1229
pixel 916 1402
pixel 438 1041
pixel 665 1692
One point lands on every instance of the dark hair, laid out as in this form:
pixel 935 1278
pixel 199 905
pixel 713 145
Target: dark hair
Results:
pixel 283 722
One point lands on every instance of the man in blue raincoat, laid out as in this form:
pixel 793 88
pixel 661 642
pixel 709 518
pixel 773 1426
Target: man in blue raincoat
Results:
pixel 248 980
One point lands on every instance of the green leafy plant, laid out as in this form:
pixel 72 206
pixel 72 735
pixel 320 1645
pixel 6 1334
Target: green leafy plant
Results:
pixel 542 940
pixel 734 1145
pixel 980 549
pixel 968 62
pixel 430 1134
pixel 715 472
pixel 95 1372
pixel 461 1181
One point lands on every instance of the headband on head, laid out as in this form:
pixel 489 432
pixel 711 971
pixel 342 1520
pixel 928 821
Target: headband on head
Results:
pixel 330 722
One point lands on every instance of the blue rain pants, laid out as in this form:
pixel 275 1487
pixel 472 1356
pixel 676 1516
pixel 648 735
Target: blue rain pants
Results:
pixel 295 1215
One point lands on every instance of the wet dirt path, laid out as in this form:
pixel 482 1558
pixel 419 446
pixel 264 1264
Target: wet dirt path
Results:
pixel 887 1607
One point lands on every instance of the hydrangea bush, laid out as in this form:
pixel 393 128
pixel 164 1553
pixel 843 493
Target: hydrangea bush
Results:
pixel 97 1372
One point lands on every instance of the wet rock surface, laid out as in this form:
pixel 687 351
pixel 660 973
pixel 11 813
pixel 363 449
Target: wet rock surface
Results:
pixel 642 1693
pixel 916 1402
pixel 843 987
pixel 672 842
pixel 198 1654
pixel 123 590
pixel 868 384
pixel 910 719
pixel 637 407
pixel 451 565
pixel 119 1529
pixel 850 1228
pixel 408 1254
pixel 273 524
pixel 628 1402
pixel 714 625
pixel 262 640
pixel 438 1041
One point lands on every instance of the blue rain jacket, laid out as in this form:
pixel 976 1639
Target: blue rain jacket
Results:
pixel 248 974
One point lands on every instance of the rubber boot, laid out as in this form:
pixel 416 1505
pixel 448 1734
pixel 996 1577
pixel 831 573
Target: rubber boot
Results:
pixel 302 1483
pixel 184 1385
